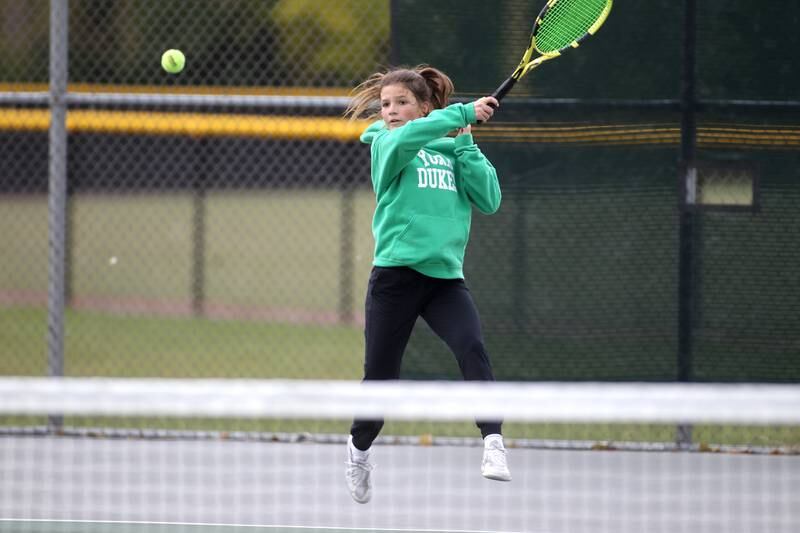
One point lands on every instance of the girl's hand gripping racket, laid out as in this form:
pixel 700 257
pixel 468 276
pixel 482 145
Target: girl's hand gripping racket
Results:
pixel 562 24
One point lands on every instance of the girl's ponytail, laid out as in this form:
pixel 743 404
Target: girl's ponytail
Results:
pixel 364 96
pixel 441 85
pixel 426 83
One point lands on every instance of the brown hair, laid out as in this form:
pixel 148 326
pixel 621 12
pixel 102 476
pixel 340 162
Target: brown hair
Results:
pixel 426 83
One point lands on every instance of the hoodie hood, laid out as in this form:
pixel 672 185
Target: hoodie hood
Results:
pixel 372 131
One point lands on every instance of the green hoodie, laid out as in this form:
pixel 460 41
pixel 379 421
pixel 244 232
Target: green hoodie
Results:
pixel 425 186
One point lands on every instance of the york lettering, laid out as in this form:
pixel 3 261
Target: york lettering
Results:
pixel 434 159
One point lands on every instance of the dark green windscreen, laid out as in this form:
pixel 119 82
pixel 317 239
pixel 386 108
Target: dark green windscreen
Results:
pixel 578 275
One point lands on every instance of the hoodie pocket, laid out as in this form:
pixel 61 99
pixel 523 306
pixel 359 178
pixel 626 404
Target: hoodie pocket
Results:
pixel 431 239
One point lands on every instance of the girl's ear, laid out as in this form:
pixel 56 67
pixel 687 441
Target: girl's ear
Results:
pixel 427 107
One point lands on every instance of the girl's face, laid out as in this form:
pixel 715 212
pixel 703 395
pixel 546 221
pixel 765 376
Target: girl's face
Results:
pixel 399 105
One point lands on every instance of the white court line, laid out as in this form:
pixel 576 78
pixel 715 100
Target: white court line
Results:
pixel 252 526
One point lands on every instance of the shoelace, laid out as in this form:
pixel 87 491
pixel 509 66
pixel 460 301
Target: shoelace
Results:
pixel 361 469
pixel 496 456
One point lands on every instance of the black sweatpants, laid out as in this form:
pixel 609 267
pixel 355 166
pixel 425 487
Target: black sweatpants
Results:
pixel 396 296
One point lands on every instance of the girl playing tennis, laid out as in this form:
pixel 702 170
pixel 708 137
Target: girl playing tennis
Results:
pixel 426 184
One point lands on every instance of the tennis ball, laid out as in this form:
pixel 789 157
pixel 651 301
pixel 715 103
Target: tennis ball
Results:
pixel 173 61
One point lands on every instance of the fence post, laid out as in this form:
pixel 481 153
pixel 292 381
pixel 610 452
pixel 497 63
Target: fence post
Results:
pixel 57 200
pixel 346 253
pixel 199 184
pixel 521 295
pixel 686 246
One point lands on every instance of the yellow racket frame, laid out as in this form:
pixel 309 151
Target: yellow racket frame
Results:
pixel 526 64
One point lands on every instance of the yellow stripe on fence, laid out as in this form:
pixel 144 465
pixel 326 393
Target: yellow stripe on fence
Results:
pixel 742 136
pixel 102 88
pixel 339 129
pixel 192 124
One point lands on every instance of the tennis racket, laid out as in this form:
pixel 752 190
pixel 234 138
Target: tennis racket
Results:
pixel 561 25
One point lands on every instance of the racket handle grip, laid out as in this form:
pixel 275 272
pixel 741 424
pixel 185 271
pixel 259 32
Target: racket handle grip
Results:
pixel 501 91
pixel 506 86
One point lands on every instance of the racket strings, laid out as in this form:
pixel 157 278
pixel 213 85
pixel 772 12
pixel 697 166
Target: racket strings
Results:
pixel 566 21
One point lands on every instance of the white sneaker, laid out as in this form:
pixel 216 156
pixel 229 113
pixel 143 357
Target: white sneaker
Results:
pixel 357 474
pixel 494 465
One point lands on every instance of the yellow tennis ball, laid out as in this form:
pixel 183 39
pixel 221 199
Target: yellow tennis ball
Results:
pixel 173 61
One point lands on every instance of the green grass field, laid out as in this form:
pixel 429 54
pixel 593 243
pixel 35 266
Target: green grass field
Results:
pixel 272 249
pixel 130 346
pixel 273 288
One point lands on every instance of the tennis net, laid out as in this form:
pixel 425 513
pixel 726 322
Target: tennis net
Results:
pixel 144 455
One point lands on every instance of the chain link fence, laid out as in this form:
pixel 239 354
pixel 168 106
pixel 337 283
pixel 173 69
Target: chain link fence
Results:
pixel 217 222
pixel 226 235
